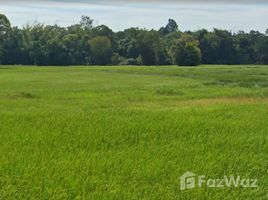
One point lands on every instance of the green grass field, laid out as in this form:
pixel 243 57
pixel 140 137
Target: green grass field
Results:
pixel 131 132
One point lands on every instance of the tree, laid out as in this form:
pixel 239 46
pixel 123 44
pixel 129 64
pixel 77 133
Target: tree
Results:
pixel 262 51
pixel 56 47
pixel 84 44
pixel 169 28
pixel 127 43
pixel 101 50
pixel 5 25
pixel 151 48
pixel 86 22
pixel 185 51
pixel 244 48
pixel 72 48
pixel 5 29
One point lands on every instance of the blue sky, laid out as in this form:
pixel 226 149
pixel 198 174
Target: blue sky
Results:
pixel 145 14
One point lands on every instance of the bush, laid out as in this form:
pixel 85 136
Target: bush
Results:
pixel 117 59
pixel 131 61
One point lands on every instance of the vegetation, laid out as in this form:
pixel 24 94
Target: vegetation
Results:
pixel 121 132
pixel 186 52
pixel 85 44
pixel 101 49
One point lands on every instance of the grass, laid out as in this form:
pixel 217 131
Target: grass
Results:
pixel 131 132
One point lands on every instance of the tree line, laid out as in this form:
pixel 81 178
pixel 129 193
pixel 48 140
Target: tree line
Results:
pixel 86 44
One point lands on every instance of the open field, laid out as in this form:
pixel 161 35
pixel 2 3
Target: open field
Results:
pixel 131 132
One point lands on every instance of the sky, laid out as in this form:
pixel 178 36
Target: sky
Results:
pixel 192 15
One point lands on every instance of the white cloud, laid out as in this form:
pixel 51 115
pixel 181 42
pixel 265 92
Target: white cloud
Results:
pixel 149 15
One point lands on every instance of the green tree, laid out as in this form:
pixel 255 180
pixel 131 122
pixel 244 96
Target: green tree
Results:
pixel 171 27
pixel 5 29
pixel 151 48
pixel 84 44
pixel 262 51
pixel 185 51
pixel 5 26
pixel 101 50
pixel 127 43
pixel 86 22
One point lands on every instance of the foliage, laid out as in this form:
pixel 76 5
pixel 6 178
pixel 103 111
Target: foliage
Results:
pixel 86 22
pixel 185 51
pixel 5 29
pixel 171 27
pixel 151 48
pixel 86 44
pixel 101 50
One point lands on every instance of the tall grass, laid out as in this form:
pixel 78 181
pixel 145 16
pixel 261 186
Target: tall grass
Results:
pixel 131 132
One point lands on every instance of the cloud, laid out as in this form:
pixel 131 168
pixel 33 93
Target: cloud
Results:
pixel 140 14
pixel 122 2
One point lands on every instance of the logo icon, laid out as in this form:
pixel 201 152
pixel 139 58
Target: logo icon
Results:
pixel 190 180
pixel 187 180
